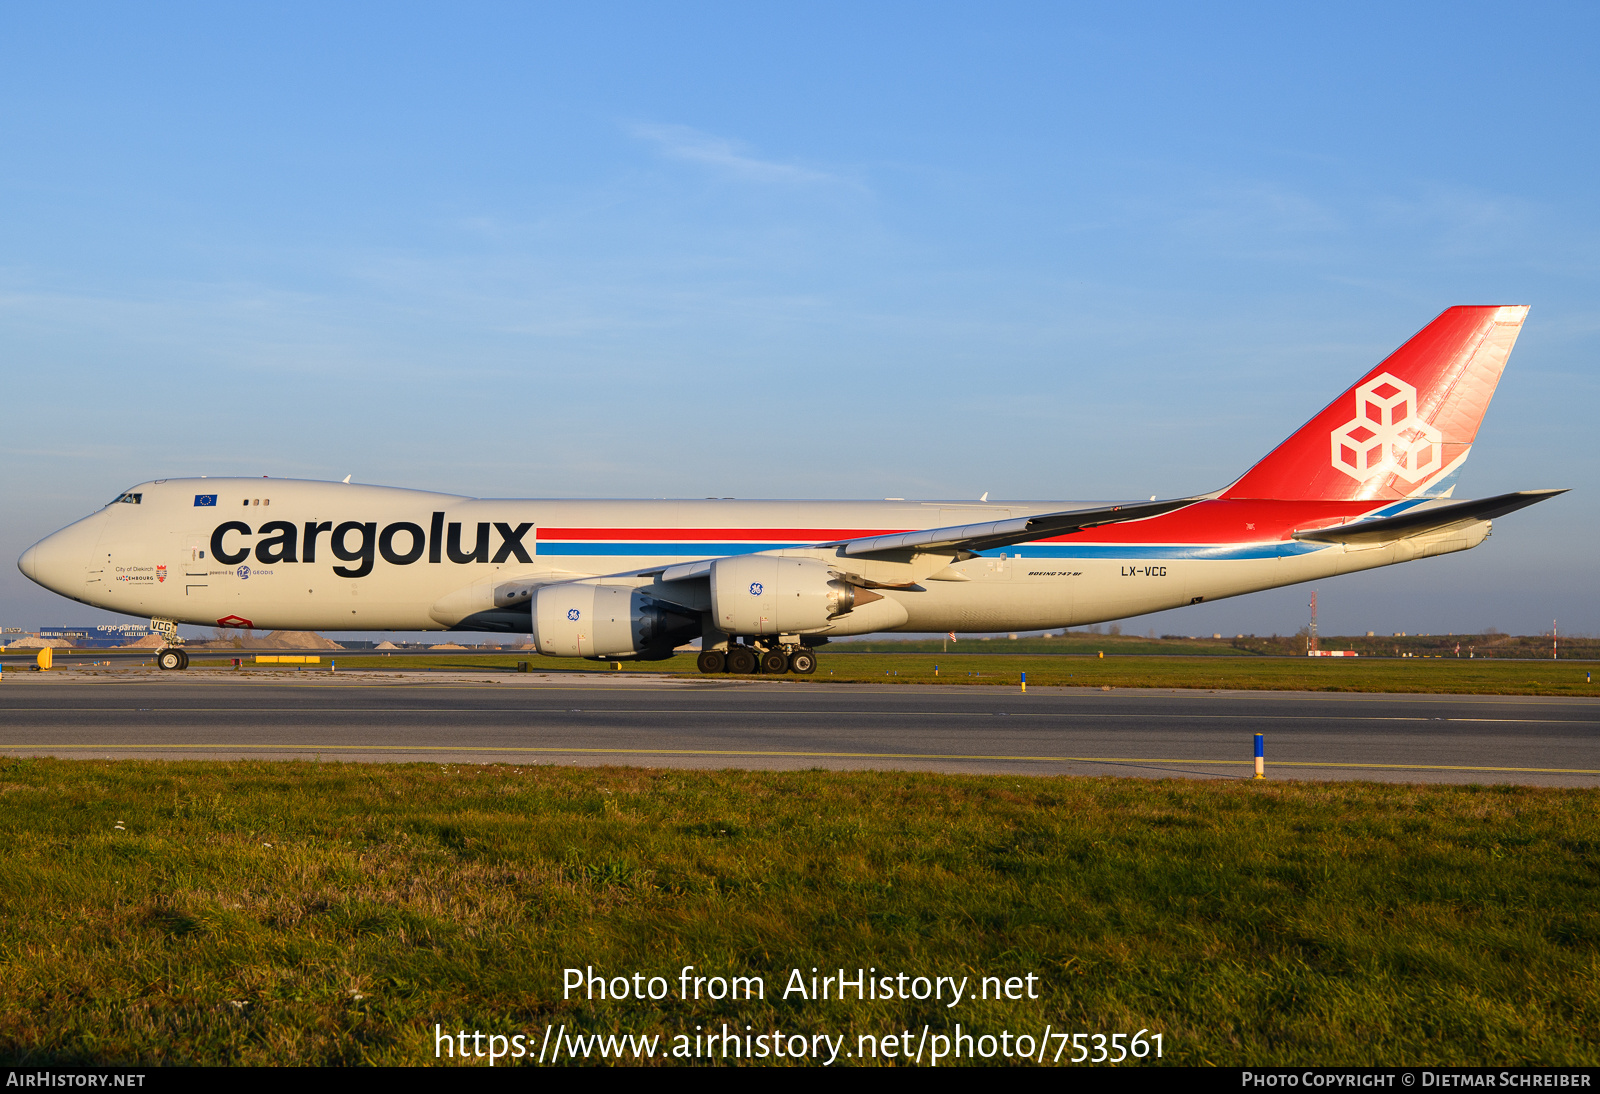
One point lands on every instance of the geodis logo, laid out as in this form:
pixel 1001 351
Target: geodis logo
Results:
pixel 358 544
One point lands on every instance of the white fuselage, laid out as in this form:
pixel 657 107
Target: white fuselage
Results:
pixel 286 554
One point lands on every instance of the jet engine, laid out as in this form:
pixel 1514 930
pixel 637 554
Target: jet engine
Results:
pixel 576 619
pixel 769 594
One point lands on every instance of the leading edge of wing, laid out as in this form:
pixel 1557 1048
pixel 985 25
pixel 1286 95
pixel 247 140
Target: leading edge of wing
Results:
pixel 963 537
pixel 1003 533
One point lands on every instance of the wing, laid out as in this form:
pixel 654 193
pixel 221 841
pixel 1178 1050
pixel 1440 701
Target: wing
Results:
pixel 955 540
pixel 1003 533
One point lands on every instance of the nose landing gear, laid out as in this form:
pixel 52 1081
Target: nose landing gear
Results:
pixel 171 657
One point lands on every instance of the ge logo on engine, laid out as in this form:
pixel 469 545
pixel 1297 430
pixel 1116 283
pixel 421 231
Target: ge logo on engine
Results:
pixel 755 588
pixel 572 614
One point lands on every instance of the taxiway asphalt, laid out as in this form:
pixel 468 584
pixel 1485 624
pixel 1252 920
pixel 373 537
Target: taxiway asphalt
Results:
pixel 648 721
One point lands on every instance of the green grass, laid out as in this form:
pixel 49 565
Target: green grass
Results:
pixel 1071 642
pixel 252 913
pixel 1445 675
pixel 1244 673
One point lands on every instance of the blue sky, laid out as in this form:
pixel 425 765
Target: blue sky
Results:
pixel 1042 251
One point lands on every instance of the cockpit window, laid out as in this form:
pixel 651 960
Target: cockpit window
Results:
pixel 128 499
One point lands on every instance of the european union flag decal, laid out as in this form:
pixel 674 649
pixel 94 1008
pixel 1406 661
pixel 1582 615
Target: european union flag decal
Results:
pixel 205 499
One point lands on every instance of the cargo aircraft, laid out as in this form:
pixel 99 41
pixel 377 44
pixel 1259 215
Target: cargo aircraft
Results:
pixel 1367 482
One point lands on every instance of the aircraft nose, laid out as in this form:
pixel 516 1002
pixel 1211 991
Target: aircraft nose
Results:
pixel 59 561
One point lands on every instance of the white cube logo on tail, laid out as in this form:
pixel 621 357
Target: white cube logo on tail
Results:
pixel 1386 435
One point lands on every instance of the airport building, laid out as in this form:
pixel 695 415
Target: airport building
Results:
pixel 101 637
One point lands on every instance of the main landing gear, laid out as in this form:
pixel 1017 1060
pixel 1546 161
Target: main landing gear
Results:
pixel 170 659
pixel 772 660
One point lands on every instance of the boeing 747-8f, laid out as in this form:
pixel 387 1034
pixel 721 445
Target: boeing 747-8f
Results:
pixel 1365 483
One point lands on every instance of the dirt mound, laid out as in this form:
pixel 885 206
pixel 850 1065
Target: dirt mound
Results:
pixel 295 640
pixel 386 645
pixel 148 642
pixel 277 640
pixel 39 644
pixel 447 646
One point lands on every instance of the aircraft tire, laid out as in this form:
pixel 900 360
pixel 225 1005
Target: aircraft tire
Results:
pixel 802 662
pixel 170 660
pixel 712 661
pixel 184 655
pixel 742 659
pixel 775 662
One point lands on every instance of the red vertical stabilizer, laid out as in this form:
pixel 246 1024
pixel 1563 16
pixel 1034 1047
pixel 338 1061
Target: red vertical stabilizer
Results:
pixel 1405 428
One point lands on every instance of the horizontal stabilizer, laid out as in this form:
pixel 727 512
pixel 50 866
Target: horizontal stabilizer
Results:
pixel 1424 519
pixel 1003 533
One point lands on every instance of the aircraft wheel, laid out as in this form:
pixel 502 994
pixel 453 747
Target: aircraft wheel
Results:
pixel 775 662
pixel 712 661
pixel 169 660
pixel 742 659
pixel 803 662
pixel 185 655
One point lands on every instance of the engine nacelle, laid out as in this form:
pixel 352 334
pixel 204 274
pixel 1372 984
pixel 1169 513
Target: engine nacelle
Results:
pixel 604 621
pixel 770 594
